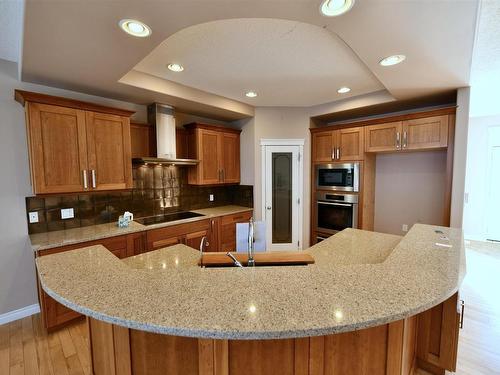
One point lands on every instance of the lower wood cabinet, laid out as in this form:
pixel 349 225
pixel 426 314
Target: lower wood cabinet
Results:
pixel 227 231
pixel 189 234
pixel 438 330
pixel 55 315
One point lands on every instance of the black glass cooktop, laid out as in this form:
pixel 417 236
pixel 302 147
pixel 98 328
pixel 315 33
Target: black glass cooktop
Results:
pixel 150 220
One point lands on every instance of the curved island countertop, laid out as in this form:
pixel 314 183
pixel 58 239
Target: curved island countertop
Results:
pixel 360 279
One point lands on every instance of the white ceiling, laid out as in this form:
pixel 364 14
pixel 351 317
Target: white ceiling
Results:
pixel 485 74
pixel 287 63
pixel 78 45
pixel 11 28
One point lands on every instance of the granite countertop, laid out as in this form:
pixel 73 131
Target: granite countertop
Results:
pixel 360 279
pixel 49 240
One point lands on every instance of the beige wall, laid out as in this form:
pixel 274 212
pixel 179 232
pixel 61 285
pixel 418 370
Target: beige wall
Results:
pixel 275 123
pixel 409 189
pixel 17 273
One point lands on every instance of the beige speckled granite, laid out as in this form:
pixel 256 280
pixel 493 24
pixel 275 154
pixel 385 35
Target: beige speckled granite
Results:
pixel 360 279
pixel 49 240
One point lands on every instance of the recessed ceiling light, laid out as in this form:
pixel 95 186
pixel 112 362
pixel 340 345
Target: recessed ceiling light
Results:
pixel 135 28
pixel 333 8
pixel 175 67
pixel 251 94
pixel 392 60
pixel 343 90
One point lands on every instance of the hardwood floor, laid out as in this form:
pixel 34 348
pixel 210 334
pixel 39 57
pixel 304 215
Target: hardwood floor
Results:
pixel 25 348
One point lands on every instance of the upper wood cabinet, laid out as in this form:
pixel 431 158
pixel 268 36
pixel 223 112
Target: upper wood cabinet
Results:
pixel 383 137
pixel 338 145
pixel 218 149
pixel 414 134
pixel 425 133
pixel 142 140
pixel 76 146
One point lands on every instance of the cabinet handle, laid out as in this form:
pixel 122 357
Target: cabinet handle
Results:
pixel 338 153
pixel 85 181
pixel 398 140
pixel 223 175
pixel 405 139
pixel 462 307
pixel 220 175
pixel 94 184
pixel 333 153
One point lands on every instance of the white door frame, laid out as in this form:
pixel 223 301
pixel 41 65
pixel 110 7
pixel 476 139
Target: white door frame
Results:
pixel 300 182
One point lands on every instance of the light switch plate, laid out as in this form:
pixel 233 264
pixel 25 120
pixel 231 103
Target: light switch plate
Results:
pixel 404 228
pixel 33 217
pixel 67 213
pixel 211 198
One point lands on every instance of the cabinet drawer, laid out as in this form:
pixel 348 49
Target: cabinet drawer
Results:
pixel 168 236
pixel 236 218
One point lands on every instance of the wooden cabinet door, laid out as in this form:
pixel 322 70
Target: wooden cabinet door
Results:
pixel 230 158
pixel 383 137
pixel 351 144
pixel 438 330
pixel 136 243
pixel 214 244
pixel 323 145
pixel 57 147
pixel 142 140
pixel 209 153
pixel 425 133
pixel 227 233
pixel 108 142
pixel 194 239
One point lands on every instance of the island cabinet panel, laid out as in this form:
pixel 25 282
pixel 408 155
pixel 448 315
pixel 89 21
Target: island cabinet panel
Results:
pixel 57 147
pixel 218 150
pixel 76 146
pixel 388 349
pixel 227 232
pixel 55 315
pixel 438 330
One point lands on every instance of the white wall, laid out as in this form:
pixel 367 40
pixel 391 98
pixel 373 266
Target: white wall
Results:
pixel 476 189
pixel 277 123
pixel 17 273
pixel 409 189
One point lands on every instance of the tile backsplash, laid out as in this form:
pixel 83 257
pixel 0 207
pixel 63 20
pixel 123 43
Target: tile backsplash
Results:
pixel 157 190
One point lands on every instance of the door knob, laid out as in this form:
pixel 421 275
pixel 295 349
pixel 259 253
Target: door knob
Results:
pixel 268 207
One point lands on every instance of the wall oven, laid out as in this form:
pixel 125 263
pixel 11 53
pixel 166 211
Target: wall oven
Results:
pixel 335 212
pixel 338 176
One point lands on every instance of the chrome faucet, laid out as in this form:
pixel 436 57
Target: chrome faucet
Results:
pixel 202 248
pixel 251 261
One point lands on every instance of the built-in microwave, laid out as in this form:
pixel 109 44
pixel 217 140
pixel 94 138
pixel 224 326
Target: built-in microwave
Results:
pixel 338 176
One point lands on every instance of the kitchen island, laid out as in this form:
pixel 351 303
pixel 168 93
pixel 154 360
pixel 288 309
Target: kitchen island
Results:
pixel 370 304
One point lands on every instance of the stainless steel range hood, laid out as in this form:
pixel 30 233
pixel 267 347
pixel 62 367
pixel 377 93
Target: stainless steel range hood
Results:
pixel 162 118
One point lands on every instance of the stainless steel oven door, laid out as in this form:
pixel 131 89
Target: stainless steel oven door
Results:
pixel 333 217
pixel 338 176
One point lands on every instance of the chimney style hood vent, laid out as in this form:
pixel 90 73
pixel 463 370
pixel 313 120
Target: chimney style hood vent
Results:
pixel 162 118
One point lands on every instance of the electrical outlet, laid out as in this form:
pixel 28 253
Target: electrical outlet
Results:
pixel 404 228
pixel 211 198
pixel 33 217
pixel 67 213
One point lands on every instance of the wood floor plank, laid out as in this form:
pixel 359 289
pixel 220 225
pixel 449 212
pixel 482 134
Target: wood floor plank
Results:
pixel 16 354
pixel 42 347
pixel 4 349
pixel 82 347
pixel 57 355
pixel 31 366
pixel 66 343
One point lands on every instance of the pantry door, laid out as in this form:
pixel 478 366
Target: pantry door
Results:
pixel 282 193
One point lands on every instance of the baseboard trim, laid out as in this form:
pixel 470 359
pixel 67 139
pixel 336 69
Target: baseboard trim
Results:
pixel 19 313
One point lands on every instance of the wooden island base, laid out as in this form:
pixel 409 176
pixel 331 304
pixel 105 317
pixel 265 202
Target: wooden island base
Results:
pixel 428 340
